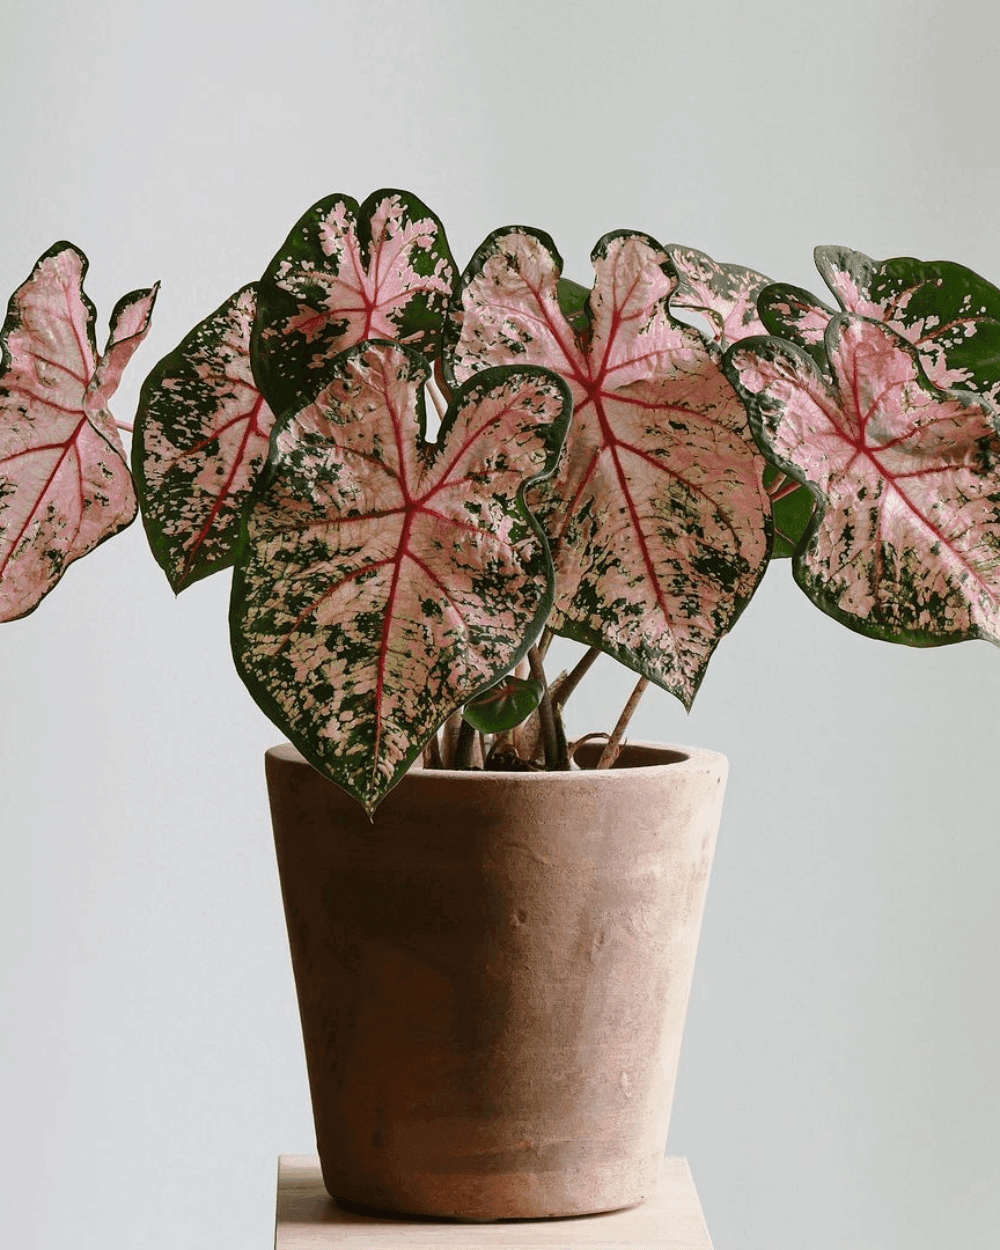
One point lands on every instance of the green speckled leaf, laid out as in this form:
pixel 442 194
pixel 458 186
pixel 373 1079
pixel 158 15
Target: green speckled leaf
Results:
pixel 657 517
pixel 385 581
pixel 201 438
pixel 905 542
pixel 347 273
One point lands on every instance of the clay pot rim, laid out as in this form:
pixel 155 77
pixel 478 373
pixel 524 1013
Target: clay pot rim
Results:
pixel 684 757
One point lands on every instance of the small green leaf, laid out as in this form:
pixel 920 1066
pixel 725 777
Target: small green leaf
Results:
pixel 792 506
pixel 573 303
pixel 504 705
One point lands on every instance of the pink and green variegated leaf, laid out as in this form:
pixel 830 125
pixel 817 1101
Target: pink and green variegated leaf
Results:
pixel 949 313
pixel 64 483
pixel 795 314
pixel 726 295
pixel 657 517
pixel 129 326
pixel 385 580
pixel 905 542
pixel 347 273
pixel 201 440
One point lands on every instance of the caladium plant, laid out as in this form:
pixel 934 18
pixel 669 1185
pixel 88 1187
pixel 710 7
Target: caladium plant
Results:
pixel 423 476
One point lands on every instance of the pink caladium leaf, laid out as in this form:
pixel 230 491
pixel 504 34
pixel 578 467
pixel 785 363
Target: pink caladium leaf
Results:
pixel 657 518
pixel 795 314
pixel 950 314
pixel 725 295
pixel 947 312
pixel 905 542
pixel 64 483
pixel 201 439
pixel 385 580
pixel 347 273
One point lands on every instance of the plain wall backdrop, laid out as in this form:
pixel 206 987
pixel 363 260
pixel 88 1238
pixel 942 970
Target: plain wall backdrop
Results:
pixel 838 1085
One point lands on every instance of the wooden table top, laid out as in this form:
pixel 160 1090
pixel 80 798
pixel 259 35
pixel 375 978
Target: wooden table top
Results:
pixel 308 1219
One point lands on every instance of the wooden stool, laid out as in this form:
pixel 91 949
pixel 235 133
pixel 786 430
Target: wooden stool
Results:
pixel 308 1219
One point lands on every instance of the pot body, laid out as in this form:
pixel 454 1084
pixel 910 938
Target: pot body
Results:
pixel 493 977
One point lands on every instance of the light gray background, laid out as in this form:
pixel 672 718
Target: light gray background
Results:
pixel 839 1085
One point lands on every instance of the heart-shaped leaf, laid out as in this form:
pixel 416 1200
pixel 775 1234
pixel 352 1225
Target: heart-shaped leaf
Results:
pixel 504 705
pixel 657 518
pixel 201 439
pixel 385 581
pixel 726 295
pixel 64 483
pixel 947 312
pixel 905 543
pixel 347 273
pixel 950 314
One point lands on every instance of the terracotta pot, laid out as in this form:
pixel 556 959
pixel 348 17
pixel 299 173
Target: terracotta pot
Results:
pixel 493 977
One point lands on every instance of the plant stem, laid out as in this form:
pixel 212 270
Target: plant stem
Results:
pixel 464 745
pixel 439 378
pixel 555 759
pixel 781 486
pixel 544 642
pixel 610 752
pixel 124 425
pixel 438 399
pixel 564 687
pixel 449 739
pixel 432 754
pixel 789 489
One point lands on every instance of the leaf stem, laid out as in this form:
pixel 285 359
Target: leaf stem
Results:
pixel 782 486
pixel 125 425
pixel 614 746
pixel 437 398
pixel 449 739
pixel 464 745
pixel 432 753
pixel 564 687
pixel 544 642
pixel 556 759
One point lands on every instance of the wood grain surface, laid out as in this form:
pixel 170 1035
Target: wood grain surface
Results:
pixel 308 1219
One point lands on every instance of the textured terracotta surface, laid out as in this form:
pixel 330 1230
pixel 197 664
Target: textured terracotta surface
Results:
pixel 493 977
